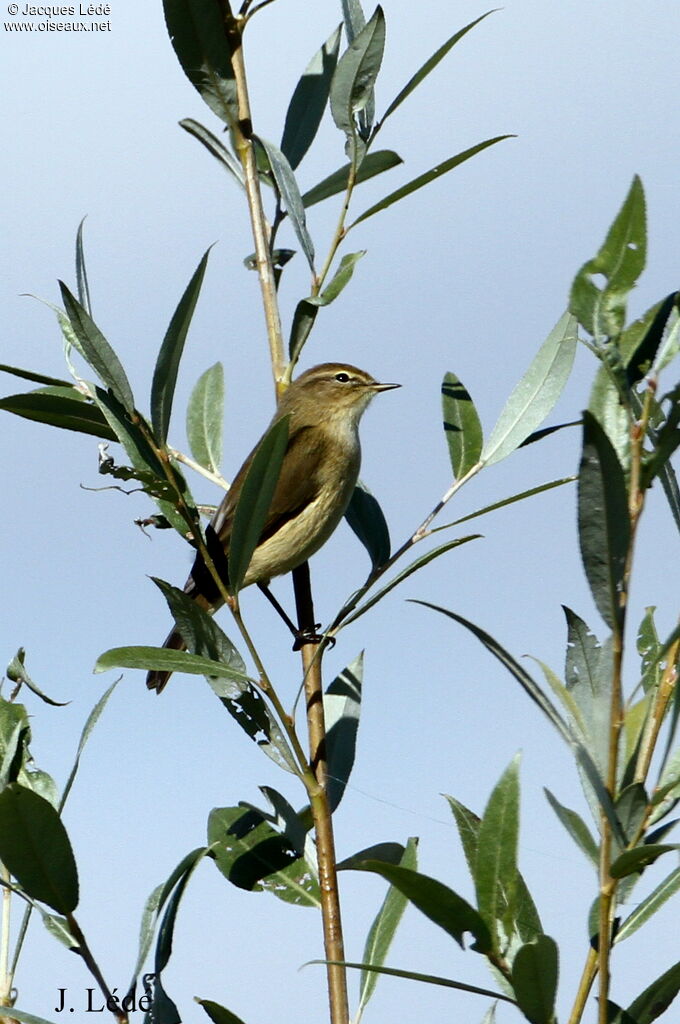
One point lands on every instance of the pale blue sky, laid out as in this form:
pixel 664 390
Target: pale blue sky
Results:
pixel 468 276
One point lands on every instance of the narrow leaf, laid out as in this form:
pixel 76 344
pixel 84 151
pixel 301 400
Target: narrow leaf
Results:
pixel 253 504
pixel 204 418
pixel 199 630
pixel 36 849
pixel 621 260
pixel 576 827
pixel 372 164
pixel 657 997
pixel 527 683
pixel 218 1014
pixel 495 868
pixel 308 101
pixel 644 356
pixel 342 707
pixel 355 75
pixel 167 364
pixel 81 272
pixel 38 378
pixel 427 177
pixel 439 903
pixel 534 979
pixel 383 930
pixel 28 1018
pixel 197 32
pixel 59 407
pixel 430 65
pixel 92 720
pixel 214 146
pixel 96 351
pixel 635 860
pixel 536 394
pixel 427 979
pixel 649 906
pixel 604 525
pixel 290 193
pixel 162 659
pixel 419 563
pixel 367 520
pixel 461 425
pixel 507 501
pixel 306 309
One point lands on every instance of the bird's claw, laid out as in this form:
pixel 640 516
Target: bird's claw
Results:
pixel 310 636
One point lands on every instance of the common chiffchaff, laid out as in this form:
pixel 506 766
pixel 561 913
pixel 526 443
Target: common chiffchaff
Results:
pixel 318 475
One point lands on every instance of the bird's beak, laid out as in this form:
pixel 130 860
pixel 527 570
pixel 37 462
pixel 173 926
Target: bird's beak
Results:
pixel 385 387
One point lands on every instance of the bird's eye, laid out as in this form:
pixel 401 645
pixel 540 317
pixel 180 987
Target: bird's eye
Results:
pixel 342 377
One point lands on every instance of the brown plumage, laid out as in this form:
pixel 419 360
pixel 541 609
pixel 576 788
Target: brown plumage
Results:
pixel 318 475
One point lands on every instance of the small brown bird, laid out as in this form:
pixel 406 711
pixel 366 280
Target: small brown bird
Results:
pixel 318 475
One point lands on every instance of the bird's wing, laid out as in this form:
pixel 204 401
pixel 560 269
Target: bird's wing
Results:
pixel 298 484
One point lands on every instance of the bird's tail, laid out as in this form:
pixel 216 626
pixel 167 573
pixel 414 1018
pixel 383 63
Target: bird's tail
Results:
pixel 156 680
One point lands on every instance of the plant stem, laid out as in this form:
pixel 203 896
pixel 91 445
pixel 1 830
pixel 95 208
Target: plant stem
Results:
pixel 321 811
pixel 242 133
pixel 585 985
pixel 5 973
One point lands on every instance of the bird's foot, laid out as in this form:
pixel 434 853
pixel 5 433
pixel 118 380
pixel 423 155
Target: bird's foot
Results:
pixel 310 636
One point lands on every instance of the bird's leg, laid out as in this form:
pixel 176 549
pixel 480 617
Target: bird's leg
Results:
pixel 306 632
pixel 275 604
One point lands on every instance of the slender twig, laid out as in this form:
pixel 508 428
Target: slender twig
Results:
pixel 215 478
pixel 5 973
pixel 585 985
pixel 665 691
pixel 321 810
pixel 243 143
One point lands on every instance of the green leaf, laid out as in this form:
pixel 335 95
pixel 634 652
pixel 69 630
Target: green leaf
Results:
pixel 495 866
pixel 162 659
pixel 342 707
pixel 308 101
pixel 644 356
pixel 528 684
pixel 247 707
pixel 199 630
pixel 96 351
pixel 367 520
pixel 657 997
pixel 38 378
pixel 439 903
pixel 588 674
pixel 254 501
pixel 419 563
pixel 427 177
pixel 461 425
pixel 17 673
pixel 649 906
pixel 204 418
pixel 218 1014
pixel 427 979
pixel 15 733
pixel 252 855
pixel 214 146
pixel 166 930
pixel 155 903
pixel 355 76
pixel 576 827
pixel 290 193
pixel 621 260
pixel 197 31
pixel 604 525
pixel 372 164
pixel 527 923
pixel 536 394
pixel 306 309
pixel 534 979
pixel 81 271
pixel 59 407
pixel 638 858
pixel 429 66
pixel 92 720
pixel 36 849
pixel 383 930
pixel 167 364
pixel 507 501
pixel 58 929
